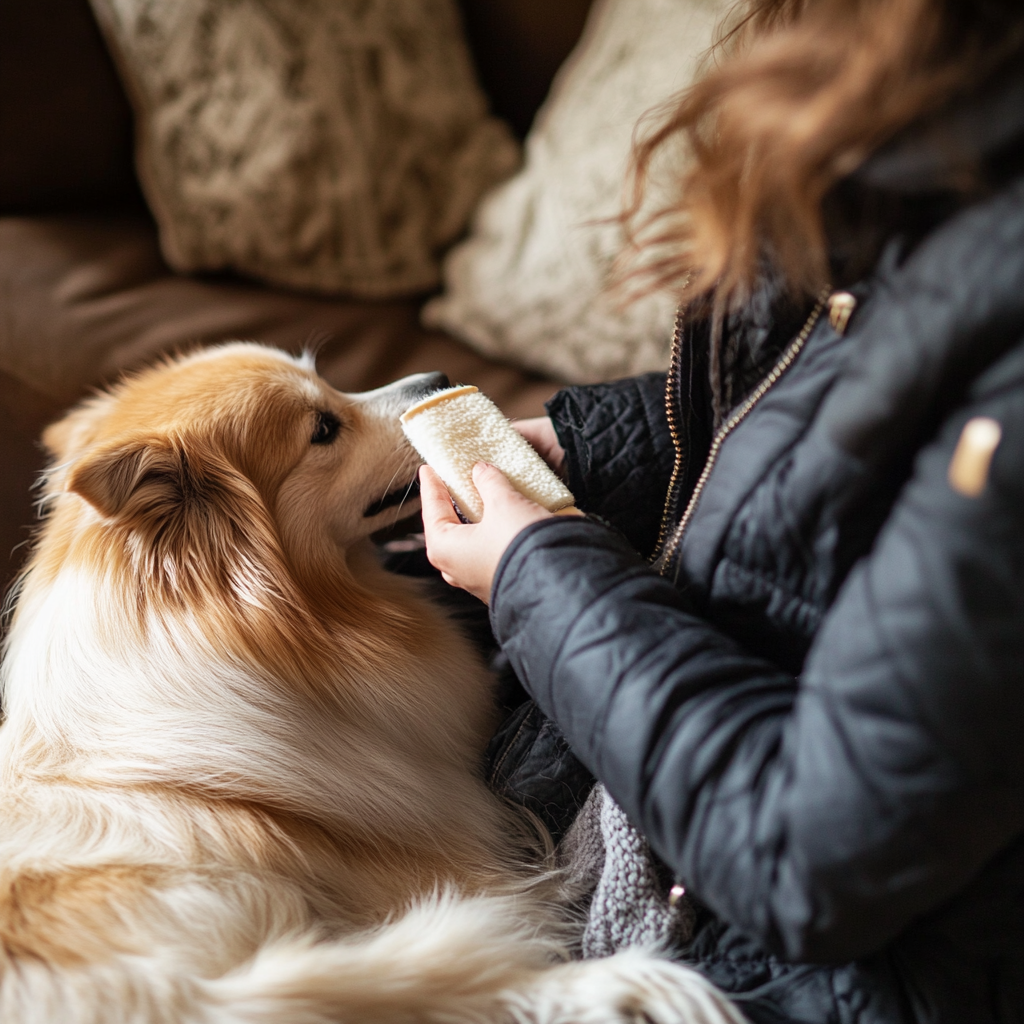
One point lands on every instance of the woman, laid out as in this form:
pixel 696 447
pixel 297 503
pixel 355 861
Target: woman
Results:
pixel 810 700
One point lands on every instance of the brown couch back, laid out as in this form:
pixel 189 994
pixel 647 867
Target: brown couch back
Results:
pixel 65 124
pixel 518 46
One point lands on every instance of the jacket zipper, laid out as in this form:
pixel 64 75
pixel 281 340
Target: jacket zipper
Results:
pixel 671 390
pixel 668 552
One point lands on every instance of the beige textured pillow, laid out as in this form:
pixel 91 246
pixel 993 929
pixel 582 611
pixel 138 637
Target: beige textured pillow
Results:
pixel 335 145
pixel 528 284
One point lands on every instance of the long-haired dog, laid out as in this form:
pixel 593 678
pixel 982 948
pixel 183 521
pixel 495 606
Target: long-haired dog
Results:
pixel 239 765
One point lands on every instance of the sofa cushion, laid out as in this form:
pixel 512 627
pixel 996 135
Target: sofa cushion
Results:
pixel 85 298
pixel 330 146
pixel 529 284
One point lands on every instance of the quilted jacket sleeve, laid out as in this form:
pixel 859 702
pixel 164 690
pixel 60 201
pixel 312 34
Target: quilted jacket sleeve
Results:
pixel 826 814
pixel 619 452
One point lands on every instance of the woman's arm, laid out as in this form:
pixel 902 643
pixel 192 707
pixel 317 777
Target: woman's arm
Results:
pixel 822 816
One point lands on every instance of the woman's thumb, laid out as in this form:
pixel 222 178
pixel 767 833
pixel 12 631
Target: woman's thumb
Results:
pixel 437 505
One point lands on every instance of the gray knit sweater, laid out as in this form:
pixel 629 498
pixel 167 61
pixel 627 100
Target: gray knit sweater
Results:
pixel 606 856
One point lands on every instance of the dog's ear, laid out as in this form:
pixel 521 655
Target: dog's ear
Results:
pixel 146 473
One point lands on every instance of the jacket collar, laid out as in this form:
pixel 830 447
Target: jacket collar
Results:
pixel 946 150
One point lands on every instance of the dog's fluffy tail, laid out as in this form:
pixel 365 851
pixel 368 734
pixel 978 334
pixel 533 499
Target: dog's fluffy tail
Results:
pixel 448 961
pixel 463 962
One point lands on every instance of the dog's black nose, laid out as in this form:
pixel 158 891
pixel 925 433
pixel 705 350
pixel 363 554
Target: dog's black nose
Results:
pixel 436 380
pixel 424 384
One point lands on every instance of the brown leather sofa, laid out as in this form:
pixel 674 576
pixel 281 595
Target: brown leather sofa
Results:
pixel 84 293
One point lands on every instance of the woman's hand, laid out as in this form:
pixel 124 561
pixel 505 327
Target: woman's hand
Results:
pixel 468 555
pixel 540 432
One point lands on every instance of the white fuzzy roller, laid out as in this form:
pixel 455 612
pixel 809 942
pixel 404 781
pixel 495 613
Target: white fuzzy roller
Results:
pixel 456 428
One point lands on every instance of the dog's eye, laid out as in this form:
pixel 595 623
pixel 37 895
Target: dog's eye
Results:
pixel 326 429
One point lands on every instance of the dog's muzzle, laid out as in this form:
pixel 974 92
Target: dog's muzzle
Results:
pixel 392 498
pixel 423 384
pixel 412 390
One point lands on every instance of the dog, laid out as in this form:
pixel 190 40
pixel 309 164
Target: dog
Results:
pixel 239 776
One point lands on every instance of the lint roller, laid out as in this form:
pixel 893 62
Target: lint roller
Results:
pixel 458 427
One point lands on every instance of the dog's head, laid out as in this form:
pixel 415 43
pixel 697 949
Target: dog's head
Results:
pixel 203 464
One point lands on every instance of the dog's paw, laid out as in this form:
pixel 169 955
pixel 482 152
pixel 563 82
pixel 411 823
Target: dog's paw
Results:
pixel 632 987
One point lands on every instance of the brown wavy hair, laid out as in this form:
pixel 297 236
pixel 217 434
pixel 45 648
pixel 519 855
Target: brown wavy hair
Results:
pixel 799 93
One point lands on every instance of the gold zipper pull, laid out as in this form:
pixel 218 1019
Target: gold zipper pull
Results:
pixel 840 308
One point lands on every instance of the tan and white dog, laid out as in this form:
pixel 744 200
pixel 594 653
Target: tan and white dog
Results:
pixel 239 766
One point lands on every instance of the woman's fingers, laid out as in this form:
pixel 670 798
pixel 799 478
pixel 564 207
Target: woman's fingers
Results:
pixel 540 432
pixel 536 429
pixel 468 555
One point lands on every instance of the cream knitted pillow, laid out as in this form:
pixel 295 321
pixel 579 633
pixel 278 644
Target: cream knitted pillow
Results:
pixel 527 286
pixel 335 145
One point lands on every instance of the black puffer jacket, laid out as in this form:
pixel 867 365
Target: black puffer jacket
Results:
pixel 816 711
